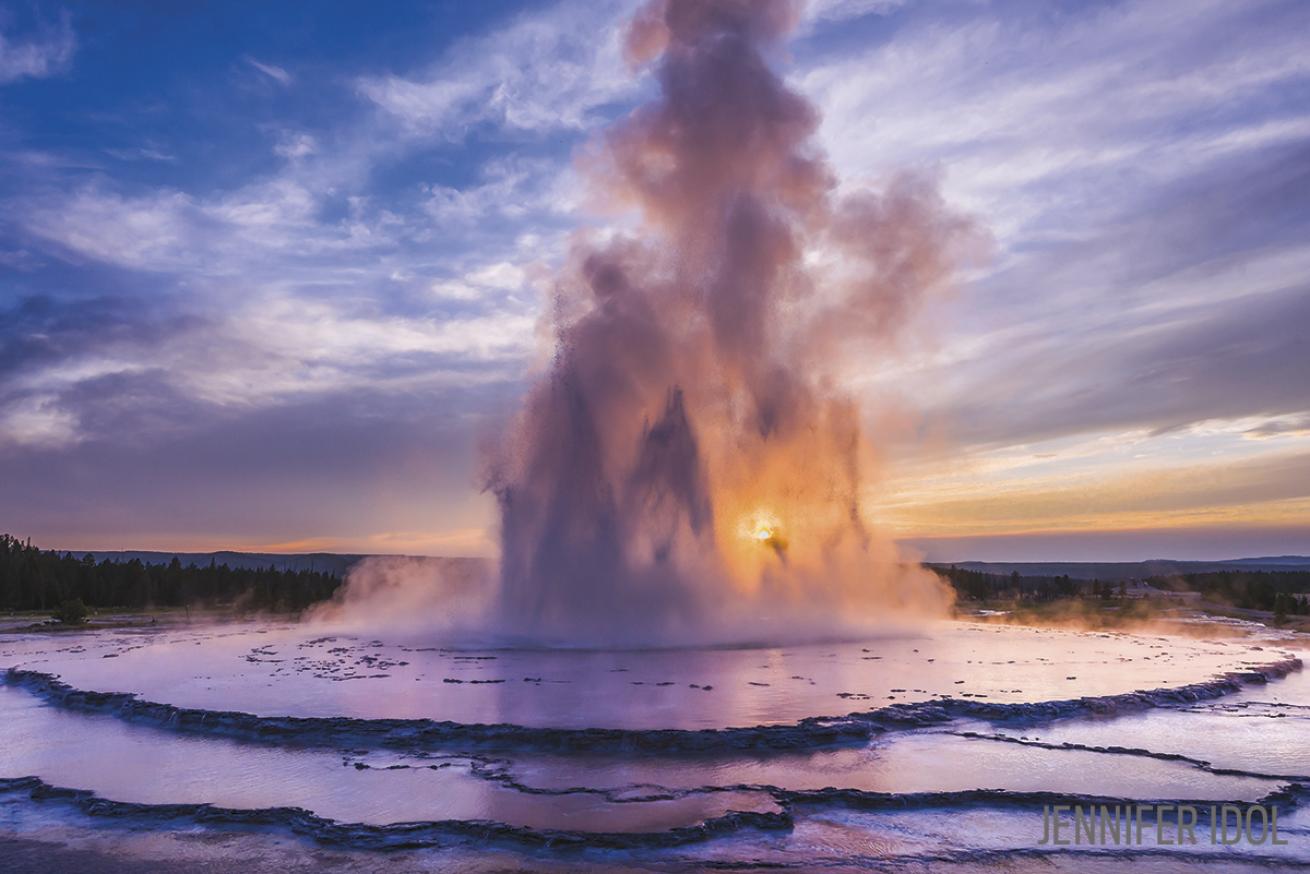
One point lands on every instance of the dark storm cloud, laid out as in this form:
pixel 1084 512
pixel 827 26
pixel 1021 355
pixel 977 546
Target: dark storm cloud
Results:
pixel 44 328
pixel 1192 308
pixel 1245 359
pixel 163 464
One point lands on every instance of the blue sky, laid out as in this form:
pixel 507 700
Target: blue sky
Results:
pixel 269 272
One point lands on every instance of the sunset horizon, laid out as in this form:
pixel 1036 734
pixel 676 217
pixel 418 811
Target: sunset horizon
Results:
pixel 315 303
pixel 654 435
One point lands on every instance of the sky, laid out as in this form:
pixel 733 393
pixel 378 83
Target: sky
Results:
pixel 271 273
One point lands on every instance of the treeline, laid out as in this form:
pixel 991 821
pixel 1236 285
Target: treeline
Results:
pixel 33 579
pixel 1280 591
pixel 982 586
pixel 1283 592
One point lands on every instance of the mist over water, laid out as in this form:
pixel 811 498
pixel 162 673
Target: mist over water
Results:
pixel 689 467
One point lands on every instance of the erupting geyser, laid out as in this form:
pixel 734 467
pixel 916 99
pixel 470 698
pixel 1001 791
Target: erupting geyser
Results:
pixel 689 460
pixel 688 469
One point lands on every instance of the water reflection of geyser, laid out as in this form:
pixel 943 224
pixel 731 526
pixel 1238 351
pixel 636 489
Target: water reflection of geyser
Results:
pixel 689 468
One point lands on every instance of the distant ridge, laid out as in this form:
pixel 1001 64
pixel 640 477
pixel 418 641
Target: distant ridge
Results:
pixel 1297 561
pixel 1126 570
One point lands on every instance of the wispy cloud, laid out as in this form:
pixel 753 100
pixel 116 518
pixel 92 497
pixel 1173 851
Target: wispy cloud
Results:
pixel 39 421
pixel 141 153
pixel 825 11
pixel 272 71
pixel 1283 426
pixel 1143 168
pixel 353 290
pixel 545 71
pixel 294 146
pixel 47 52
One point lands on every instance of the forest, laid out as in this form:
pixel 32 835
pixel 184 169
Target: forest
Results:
pixel 34 579
pixel 1282 592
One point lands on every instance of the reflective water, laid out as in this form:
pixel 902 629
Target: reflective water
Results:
pixel 1264 728
pixel 906 762
pixel 285 670
pixel 139 764
pixel 962 791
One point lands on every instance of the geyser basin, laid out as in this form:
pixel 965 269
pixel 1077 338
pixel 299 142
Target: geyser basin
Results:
pixel 687 757
pixel 293 671
pixel 157 767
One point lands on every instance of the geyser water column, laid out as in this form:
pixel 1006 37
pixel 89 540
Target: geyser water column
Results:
pixel 689 465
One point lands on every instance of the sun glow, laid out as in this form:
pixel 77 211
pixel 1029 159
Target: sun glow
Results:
pixel 763 528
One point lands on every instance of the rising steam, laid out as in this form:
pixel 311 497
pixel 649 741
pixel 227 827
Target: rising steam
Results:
pixel 689 466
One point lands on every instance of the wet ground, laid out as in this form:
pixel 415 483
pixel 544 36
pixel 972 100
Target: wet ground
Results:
pixel 287 747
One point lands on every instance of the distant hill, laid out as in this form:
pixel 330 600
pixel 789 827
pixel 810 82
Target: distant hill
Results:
pixel 1128 570
pixel 1289 562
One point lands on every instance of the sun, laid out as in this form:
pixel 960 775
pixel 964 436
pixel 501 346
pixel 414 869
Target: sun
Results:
pixel 764 528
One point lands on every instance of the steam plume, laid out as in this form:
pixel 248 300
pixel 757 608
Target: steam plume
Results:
pixel 688 468
pixel 689 460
